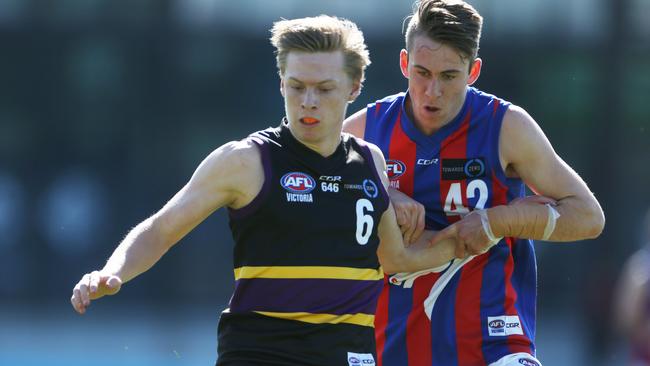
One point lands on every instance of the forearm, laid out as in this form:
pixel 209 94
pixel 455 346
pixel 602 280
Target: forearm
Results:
pixel 139 251
pixel 579 219
pixel 423 255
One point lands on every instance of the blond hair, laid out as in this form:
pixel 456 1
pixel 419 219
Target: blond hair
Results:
pixel 321 34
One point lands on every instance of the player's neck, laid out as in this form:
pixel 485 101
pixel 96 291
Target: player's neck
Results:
pixel 324 146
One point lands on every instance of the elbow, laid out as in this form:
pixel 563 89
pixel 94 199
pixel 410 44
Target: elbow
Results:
pixel 394 264
pixel 391 268
pixel 596 222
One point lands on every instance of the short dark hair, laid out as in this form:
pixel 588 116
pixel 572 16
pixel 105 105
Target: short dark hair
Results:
pixel 453 23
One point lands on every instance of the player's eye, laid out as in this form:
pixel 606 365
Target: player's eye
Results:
pixel 448 76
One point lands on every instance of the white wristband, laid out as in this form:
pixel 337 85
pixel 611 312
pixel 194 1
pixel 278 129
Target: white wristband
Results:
pixel 485 222
pixel 553 215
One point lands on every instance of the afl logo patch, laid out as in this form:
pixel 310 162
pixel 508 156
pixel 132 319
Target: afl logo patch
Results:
pixel 395 168
pixel 296 182
pixel 370 188
pixel 497 324
pixel 528 362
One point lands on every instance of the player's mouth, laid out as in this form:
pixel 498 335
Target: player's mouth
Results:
pixel 309 120
pixel 431 109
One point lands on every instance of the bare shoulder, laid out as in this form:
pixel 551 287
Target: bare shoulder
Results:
pixel 232 157
pixel 522 139
pixel 236 167
pixel 517 120
pixel 356 124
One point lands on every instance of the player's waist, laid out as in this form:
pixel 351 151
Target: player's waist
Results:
pixel 349 296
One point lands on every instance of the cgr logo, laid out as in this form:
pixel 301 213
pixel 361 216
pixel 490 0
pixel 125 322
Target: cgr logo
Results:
pixel 427 161
pixel 395 168
pixel 296 182
pixel 330 178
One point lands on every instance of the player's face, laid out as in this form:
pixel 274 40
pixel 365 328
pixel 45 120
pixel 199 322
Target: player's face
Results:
pixel 316 93
pixel 438 79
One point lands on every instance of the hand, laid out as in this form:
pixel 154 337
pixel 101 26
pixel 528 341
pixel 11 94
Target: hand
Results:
pixel 468 234
pixel 93 286
pixel 410 215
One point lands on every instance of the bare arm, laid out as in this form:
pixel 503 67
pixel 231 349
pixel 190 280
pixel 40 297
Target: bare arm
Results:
pixel 525 152
pixel 230 176
pixel 393 254
pixel 356 124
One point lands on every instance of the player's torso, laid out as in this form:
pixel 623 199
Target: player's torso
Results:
pixel 305 260
pixel 451 172
pixel 443 317
pixel 312 210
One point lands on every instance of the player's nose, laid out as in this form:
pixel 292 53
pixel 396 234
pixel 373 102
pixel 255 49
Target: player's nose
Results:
pixel 309 100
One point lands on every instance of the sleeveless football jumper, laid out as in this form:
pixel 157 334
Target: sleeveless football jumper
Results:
pixel 307 277
pixel 469 312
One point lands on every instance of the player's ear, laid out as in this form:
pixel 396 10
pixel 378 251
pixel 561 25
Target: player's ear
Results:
pixel 356 90
pixel 404 62
pixel 474 71
pixel 282 86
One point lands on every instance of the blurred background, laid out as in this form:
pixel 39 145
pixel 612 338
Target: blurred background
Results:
pixel 107 107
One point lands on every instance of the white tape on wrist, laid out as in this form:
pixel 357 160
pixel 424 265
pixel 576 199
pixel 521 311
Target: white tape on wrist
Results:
pixel 485 222
pixel 553 215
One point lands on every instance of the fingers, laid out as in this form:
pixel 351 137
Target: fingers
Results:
pixel 410 218
pixel 84 289
pixel 94 282
pixel 114 284
pixel 75 300
pixel 404 222
pixel 450 232
pixel 419 224
pixel 411 234
pixel 80 297
pixel 400 214
pixel 408 233
pixel 93 286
